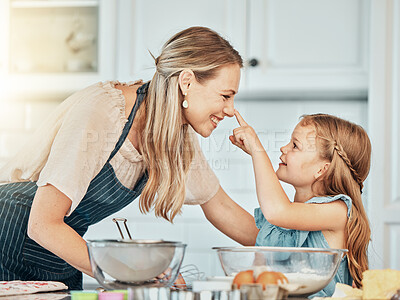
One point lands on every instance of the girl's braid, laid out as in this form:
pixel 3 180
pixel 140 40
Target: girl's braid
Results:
pixel 340 151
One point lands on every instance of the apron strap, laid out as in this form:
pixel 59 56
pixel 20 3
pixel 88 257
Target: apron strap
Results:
pixel 141 93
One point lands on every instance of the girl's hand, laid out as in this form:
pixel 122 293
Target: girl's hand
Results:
pixel 245 137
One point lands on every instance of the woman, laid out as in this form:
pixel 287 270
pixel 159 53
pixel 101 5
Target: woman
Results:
pixel 108 144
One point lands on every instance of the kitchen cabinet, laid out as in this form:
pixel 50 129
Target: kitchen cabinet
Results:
pixel 308 45
pixel 288 46
pixel 146 25
pixel 384 131
pixel 3 38
pixel 55 47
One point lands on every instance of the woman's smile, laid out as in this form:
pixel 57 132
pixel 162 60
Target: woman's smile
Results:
pixel 215 120
pixel 211 101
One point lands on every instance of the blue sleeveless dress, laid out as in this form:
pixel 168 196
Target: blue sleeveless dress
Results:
pixel 21 258
pixel 275 236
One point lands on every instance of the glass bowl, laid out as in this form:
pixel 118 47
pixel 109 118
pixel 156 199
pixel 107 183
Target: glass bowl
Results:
pixel 119 264
pixel 308 270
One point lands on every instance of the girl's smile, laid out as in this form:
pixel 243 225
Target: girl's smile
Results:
pixel 300 159
pixel 282 163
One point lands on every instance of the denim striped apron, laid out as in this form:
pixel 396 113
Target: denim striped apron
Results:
pixel 24 259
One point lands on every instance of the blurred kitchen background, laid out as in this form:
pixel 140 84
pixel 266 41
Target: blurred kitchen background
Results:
pixel 302 56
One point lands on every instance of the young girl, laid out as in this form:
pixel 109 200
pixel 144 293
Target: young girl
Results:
pixel 326 161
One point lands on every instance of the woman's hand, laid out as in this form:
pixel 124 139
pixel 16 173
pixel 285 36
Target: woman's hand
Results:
pixel 245 137
pixel 46 227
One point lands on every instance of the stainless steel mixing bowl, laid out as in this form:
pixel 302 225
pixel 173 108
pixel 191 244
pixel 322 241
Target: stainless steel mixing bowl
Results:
pixel 308 270
pixel 120 264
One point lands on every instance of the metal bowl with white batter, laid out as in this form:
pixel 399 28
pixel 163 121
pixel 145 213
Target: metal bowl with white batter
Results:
pixel 119 264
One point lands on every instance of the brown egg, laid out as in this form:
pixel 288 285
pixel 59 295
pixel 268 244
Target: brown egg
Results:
pixel 243 277
pixel 270 277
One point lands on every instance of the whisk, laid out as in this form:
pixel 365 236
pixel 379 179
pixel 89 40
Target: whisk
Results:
pixel 189 273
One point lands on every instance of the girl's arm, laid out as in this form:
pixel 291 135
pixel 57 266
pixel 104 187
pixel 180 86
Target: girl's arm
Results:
pixel 230 218
pixel 274 202
pixel 46 226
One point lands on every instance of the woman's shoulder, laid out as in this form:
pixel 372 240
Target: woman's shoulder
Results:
pixel 328 199
pixel 99 101
pixel 101 92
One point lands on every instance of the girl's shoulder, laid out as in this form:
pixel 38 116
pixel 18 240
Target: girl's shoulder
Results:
pixel 275 236
pixel 327 199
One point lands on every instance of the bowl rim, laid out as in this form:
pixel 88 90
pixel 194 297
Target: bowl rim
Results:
pixel 136 242
pixel 279 249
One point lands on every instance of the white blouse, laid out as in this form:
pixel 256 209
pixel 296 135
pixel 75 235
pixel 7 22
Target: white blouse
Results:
pixel 71 147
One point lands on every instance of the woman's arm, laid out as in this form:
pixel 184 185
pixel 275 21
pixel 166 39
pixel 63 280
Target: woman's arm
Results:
pixel 46 227
pixel 230 218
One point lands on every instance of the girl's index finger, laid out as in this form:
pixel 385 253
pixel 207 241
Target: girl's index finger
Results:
pixel 240 119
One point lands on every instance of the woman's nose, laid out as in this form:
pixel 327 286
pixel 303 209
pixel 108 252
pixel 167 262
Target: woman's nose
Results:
pixel 229 109
pixel 283 149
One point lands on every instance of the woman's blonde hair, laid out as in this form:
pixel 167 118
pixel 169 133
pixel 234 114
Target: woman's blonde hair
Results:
pixel 348 148
pixel 165 143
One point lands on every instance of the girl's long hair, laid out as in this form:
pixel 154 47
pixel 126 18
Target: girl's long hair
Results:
pixel 165 143
pixel 348 148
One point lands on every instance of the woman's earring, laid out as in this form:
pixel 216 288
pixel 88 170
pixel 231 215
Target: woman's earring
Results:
pixel 185 104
